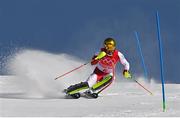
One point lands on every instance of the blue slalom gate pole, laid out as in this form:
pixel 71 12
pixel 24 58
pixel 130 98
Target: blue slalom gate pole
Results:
pixel 161 58
pixel 141 55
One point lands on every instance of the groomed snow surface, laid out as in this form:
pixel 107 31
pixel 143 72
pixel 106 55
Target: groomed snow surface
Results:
pixel 32 91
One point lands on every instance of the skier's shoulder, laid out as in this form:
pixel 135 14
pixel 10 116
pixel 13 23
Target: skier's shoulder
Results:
pixel 116 51
pixel 119 53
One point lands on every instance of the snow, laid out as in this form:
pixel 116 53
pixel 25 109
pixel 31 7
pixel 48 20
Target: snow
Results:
pixel 121 99
pixel 32 91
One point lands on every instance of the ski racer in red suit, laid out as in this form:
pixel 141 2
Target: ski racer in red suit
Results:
pixel 103 74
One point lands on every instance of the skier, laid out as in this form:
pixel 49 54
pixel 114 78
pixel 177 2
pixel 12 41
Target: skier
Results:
pixel 103 74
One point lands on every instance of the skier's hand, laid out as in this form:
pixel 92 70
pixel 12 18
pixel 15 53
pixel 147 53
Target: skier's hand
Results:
pixel 95 59
pixel 100 55
pixel 127 74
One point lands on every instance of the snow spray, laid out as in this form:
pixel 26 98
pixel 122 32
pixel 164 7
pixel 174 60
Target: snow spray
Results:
pixel 36 71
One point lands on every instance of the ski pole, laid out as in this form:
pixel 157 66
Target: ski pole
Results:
pixel 143 87
pixel 71 70
pixel 100 55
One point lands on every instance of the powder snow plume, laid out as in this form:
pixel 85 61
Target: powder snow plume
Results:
pixel 36 71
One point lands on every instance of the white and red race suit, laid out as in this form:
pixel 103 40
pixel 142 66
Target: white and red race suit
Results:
pixel 106 66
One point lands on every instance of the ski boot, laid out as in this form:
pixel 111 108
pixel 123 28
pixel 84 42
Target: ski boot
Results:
pixel 102 83
pixel 74 96
pixel 73 90
pixel 70 96
pixel 90 94
pixel 98 87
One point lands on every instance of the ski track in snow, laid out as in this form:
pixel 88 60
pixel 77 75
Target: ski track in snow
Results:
pixel 32 91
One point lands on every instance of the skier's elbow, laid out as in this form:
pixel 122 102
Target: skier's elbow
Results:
pixel 94 62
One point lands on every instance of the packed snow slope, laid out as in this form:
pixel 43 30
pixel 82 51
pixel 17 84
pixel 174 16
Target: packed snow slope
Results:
pixel 32 91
